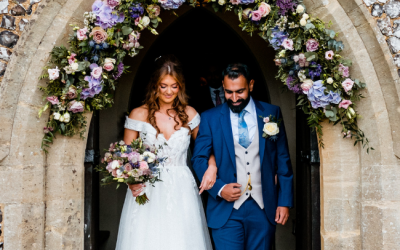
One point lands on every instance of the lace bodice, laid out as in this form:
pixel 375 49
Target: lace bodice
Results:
pixel 175 148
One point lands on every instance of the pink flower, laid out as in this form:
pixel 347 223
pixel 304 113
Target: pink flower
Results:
pixel 266 119
pixel 71 58
pixel 137 21
pixel 312 45
pixel 246 13
pixel 329 55
pixel 98 34
pixel 306 85
pixel 112 3
pixel 347 84
pixel 81 34
pixel 288 44
pixel 345 104
pixel 53 100
pixel 143 165
pixel 265 9
pixel 108 66
pixel 53 73
pixel 347 135
pixel 277 62
pixel 109 168
pixel 163 1
pixel 96 72
pixel 296 58
pixel 75 107
pixel 235 2
pixel 153 10
pixel 256 15
pixel 114 173
pixel 72 93
pixel 344 70
pixel 128 167
pixel 303 60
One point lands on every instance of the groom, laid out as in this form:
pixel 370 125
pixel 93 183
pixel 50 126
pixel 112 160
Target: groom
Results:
pixel 245 204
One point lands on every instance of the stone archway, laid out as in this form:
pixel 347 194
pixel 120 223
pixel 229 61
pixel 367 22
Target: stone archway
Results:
pixel 43 202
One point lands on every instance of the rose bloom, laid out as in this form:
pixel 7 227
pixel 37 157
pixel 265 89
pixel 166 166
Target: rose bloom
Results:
pixel 109 60
pixel 221 2
pixel 53 100
pixel 303 22
pixel 235 2
pixel 74 66
pixel 98 34
pixel 300 9
pixel 162 1
pixel 266 119
pixel 53 73
pixel 108 66
pixel 277 62
pixel 75 107
pixel 329 80
pixel 56 116
pixel 72 93
pixel 312 45
pixel 305 16
pixel 71 58
pixel 153 10
pixel 256 15
pixel 137 21
pixel 271 128
pixel 347 84
pixel 296 58
pixel 246 13
pixel 265 9
pixel 65 118
pixel 81 34
pixel 145 21
pixel 143 165
pixel 112 3
pixel 306 85
pixel 344 70
pixel 345 104
pixel 96 72
pixel 329 55
pixel 288 44
pixel 128 167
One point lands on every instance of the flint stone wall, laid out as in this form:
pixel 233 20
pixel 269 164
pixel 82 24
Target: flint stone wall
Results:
pixel 42 197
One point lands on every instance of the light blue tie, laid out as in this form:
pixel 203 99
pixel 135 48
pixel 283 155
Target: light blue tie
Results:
pixel 244 139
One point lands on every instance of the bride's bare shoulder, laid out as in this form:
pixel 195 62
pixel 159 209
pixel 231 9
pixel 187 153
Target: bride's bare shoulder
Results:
pixel 191 112
pixel 139 113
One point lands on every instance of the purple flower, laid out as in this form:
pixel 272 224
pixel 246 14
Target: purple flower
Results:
pixel 172 4
pixel 94 88
pixel 295 88
pixel 285 6
pixel 106 18
pixel 315 95
pixel 136 10
pixel 315 71
pixel 97 6
pixel 277 38
pixel 312 45
pixel 332 97
pixel 245 2
pixel 120 69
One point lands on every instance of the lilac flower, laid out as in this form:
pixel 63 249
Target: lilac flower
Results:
pixel 172 4
pixel 120 71
pixel 136 10
pixel 277 38
pixel 315 71
pixel 285 6
pixel 295 88
pixel 106 18
pixel 97 6
pixel 94 88
pixel 332 97
pixel 316 95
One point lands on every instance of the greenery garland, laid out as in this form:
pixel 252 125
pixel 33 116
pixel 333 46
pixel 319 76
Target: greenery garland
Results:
pixel 83 77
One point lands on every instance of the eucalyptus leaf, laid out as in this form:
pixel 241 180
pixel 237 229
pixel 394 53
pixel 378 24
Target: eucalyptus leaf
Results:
pixel 127 30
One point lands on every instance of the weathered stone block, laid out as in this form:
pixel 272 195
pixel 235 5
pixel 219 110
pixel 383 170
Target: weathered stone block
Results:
pixel 385 26
pixel 392 9
pixel 18 10
pixel 22 24
pixel 5 54
pixel 377 10
pixel 8 39
pixel 3 67
pixel 369 2
pixel 3 6
pixel 394 44
pixel 8 22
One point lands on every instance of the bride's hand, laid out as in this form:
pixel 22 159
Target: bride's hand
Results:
pixel 136 189
pixel 208 179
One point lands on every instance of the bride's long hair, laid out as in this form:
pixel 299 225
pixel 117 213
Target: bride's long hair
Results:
pixel 167 65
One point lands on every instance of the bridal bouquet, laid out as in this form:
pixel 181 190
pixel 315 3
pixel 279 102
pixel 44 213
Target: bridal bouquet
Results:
pixel 131 164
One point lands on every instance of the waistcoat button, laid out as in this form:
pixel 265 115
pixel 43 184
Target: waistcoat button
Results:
pixel 248 163
pixel 246 152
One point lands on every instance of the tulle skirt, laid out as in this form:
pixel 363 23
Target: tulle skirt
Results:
pixel 173 219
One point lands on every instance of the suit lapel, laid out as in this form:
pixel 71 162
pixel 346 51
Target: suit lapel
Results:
pixel 225 120
pixel 260 114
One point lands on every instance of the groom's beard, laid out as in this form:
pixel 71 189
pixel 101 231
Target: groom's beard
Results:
pixel 240 107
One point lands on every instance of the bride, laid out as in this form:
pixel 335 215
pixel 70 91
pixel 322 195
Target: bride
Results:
pixel 174 216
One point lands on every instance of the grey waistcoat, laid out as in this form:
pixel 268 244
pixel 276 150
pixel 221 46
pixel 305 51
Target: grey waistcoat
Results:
pixel 248 161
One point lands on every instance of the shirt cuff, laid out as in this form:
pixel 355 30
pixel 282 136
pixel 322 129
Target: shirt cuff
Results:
pixel 219 192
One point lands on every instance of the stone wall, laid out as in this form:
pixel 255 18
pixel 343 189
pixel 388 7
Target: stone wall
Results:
pixel 15 15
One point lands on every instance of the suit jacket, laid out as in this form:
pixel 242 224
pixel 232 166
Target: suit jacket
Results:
pixel 215 135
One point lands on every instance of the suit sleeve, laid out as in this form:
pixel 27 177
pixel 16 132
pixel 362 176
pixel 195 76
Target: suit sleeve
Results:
pixel 284 172
pixel 202 151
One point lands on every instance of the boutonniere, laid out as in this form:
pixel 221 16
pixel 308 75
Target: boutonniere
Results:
pixel 271 127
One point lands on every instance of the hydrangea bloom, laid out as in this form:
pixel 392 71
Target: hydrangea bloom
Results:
pixel 319 99
pixel 105 18
pixel 247 2
pixel 277 38
pixel 172 4
pixel 94 88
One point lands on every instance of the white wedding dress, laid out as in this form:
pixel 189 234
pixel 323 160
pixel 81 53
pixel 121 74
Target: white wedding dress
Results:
pixel 173 219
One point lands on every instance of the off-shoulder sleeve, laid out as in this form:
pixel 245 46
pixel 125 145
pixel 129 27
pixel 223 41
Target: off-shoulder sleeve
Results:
pixel 134 124
pixel 194 122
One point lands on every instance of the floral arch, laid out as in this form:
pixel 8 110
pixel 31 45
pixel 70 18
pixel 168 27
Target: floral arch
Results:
pixel 82 77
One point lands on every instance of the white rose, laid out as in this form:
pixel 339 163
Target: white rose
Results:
pixel 115 164
pixel 303 22
pixel 300 9
pixel 145 21
pixel 66 117
pixel 74 66
pixel 329 80
pixel 271 128
pixel 61 118
pixel 56 116
pixel 302 76
pixel 306 85
pixel 121 142
pixel 119 173
pixel 221 2
pixel 305 16
pixel 141 158
pixel 109 60
pixel 53 73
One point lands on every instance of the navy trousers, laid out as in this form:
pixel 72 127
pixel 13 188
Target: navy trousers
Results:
pixel 247 229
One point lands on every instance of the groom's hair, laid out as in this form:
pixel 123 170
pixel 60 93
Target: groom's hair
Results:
pixel 234 70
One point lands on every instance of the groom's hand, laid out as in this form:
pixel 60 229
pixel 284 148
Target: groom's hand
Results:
pixel 231 192
pixel 282 215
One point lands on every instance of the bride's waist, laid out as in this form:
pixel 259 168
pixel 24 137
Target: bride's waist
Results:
pixel 168 168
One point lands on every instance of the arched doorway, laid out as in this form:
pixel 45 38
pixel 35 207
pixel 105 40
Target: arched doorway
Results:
pixel 198 38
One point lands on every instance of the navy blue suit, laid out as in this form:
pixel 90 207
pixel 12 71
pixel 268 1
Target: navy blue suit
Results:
pixel 215 135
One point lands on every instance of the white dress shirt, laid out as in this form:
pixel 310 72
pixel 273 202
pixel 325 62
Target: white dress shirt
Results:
pixel 251 120
pixel 214 96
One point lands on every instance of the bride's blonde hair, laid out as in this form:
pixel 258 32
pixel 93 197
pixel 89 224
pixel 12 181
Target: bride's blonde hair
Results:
pixel 167 65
